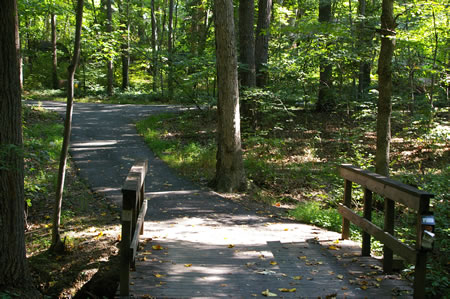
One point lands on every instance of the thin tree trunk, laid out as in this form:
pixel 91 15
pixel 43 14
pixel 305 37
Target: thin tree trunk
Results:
pixel 57 245
pixel 247 43
pixel 14 272
pixel 365 37
pixel 109 63
pixel 385 88
pixel 170 54
pixel 262 41
pixel 54 53
pixel 154 54
pixel 126 48
pixel 161 42
pixel 325 100
pixel 229 168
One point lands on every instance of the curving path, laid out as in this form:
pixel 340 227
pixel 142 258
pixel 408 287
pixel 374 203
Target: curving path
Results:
pixel 209 245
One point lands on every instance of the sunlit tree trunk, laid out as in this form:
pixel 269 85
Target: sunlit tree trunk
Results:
pixel 126 43
pixel 57 245
pixel 14 272
pixel 385 88
pixel 109 63
pixel 54 53
pixel 325 100
pixel 229 168
pixel 262 41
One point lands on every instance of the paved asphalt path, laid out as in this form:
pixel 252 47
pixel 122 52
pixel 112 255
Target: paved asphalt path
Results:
pixel 213 246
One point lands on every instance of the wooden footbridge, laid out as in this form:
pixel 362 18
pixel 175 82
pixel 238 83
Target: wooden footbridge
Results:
pixel 197 244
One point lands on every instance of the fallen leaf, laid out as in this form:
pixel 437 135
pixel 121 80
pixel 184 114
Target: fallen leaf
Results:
pixel 157 247
pixel 143 259
pixel 286 229
pixel 147 252
pixel 223 285
pixel 332 247
pixel 188 265
pixel 285 290
pixel 231 246
pixel 379 279
pixel 336 242
pixel 267 293
pixel 273 263
pixel 302 257
pixel 344 288
pixel 341 277
pixel 157 275
pixel 299 277
pixel 363 287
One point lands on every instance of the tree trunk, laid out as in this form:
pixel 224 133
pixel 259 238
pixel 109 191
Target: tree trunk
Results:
pixel 154 54
pixel 126 48
pixel 325 100
pixel 169 50
pixel 229 168
pixel 385 88
pixel 13 265
pixel 109 63
pixel 57 245
pixel 365 45
pixel 247 43
pixel 262 42
pixel 54 53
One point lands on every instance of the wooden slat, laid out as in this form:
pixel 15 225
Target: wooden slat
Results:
pixel 140 222
pixel 398 247
pixel 136 176
pixel 384 186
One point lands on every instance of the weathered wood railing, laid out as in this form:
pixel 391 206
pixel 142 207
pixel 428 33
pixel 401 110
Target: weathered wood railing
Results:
pixel 134 207
pixel 392 192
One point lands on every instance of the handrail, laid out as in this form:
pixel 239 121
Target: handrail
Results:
pixel 392 191
pixel 134 207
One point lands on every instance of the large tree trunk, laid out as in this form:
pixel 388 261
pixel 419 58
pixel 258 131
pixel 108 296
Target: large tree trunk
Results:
pixel 13 265
pixel 54 53
pixel 325 100
pixel 385 88
pixel 109 63
pixel 262 42
pixel 154 54
pixel 169 50
pixel 229 168
pixel 57 245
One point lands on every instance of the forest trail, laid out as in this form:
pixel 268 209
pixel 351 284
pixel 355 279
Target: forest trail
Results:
pixel 200 244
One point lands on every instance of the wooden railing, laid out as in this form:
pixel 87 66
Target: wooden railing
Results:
pixel 134 207
pixel 392 192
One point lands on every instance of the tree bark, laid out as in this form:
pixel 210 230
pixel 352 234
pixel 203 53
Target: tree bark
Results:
pixel 13 264
pixel 229 167
pixel 385 88
pixel 57 245
pixel 247 43
pixel 154 54
pixel 54 53
pixel 262 42
pixel 126 47
pixel 325 100
pixel 169 50
pixel 365 45
pixel 109 63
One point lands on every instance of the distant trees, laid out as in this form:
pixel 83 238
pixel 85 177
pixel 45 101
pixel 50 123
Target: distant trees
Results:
pixel 229 166
pixel 13 266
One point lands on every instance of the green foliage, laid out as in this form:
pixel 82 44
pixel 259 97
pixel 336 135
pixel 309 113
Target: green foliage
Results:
pixel 312 212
